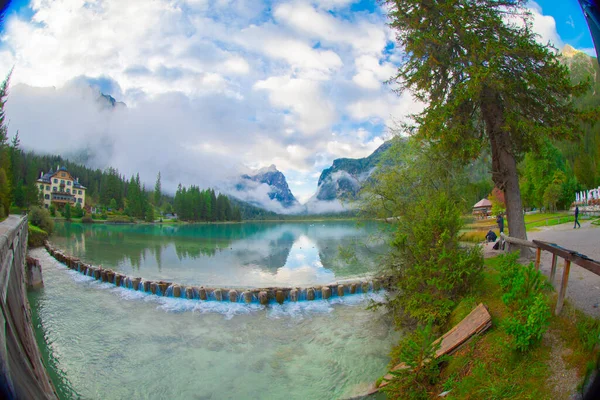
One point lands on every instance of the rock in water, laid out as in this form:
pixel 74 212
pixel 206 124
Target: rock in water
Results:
pixel 263 298
pixel 280 296
pixel 247 297
pixel 294 295
pixel 326 292
pixel 233 295
pixel 176 291
pixel 310 294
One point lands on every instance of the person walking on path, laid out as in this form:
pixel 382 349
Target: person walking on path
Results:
pixel 577 224
pixel 500 222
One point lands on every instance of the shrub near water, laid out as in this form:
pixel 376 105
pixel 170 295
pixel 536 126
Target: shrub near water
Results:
pixel 430 270
pixel 40 217
pixel 417 352
pixel 523 294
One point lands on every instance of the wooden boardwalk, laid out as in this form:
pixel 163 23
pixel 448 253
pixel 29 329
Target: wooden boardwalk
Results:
pixel 479 320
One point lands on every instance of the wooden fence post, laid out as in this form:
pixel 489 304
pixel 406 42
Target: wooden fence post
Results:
pixel 538 256
pixel 553 270
pixel 563 288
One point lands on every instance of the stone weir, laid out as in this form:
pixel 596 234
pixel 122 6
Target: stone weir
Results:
pixel 263 296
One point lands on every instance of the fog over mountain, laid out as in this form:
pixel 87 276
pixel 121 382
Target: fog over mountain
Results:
pixel 205 91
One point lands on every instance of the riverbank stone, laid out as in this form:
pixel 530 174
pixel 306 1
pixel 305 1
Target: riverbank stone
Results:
pixel 263 298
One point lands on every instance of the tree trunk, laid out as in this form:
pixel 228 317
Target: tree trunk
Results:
pixel 504 165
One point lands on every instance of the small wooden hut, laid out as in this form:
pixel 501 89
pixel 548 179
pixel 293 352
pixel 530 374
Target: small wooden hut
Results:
pixel 482 208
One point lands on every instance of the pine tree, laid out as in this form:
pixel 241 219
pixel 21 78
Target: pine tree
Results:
pixel 157 191
pixel 485 81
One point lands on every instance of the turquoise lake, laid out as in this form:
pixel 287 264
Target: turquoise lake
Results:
pixel 104 342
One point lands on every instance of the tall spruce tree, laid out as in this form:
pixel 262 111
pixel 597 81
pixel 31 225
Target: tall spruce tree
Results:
pixel 157 191
pixel 485 80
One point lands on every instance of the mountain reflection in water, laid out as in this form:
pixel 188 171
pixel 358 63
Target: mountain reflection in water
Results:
pixel 242 255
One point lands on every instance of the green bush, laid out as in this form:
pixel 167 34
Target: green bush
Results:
pixel 417 352
pixel 120 219
pixel 40 217
pixel 78 211
pixel 36 236
pixel 524 295
pixel 429 268
pixel 67 212
pixel 589 332
pixel 52 210
pixel 87 219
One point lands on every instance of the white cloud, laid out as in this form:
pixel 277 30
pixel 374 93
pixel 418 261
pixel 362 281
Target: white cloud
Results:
pixel 312 110
pixel 545 26
pixel 210 85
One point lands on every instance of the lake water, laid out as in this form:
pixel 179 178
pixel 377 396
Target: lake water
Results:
pixel 238 255
pixel 103 342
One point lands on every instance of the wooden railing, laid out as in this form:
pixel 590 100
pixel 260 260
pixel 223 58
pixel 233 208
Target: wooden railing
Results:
pixel 569 256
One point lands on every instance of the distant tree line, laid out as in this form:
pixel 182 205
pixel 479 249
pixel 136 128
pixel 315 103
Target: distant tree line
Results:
pixel 193 204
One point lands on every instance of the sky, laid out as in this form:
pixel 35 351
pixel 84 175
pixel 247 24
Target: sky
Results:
pixel 215 88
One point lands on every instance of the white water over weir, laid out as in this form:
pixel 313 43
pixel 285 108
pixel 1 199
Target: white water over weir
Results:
pixel 263 296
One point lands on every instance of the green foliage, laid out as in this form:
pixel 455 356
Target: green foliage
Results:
pixel 417 351
pixel 113 204
pixel 149 214
pixel 157 191
pixel 36 236
pixel 588 329
pixel 87 219
pixel 431 270
pixel 193 204
pixel 4 191
pixel 523 293
pixel 78 211
pixel 52 210
pixel 546 179
pixel 486 81
pixel 40 217
pixel 67 212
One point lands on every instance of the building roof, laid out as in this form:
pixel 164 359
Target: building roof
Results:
pixel 483 203
pixel 47 178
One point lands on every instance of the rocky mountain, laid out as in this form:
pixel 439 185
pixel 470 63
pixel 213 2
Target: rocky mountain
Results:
pixel 108 102
pixel 266 184
pixel 344 179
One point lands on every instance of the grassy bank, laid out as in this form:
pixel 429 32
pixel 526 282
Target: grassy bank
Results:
pixel 488 368
pixel 475 232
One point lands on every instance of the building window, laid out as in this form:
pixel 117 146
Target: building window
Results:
pixel 47 196
pixel 68 190
pixel 46 205
pixel 69 183
pixel 41 187
pixel 79 200
pixel 54 189
pixel 47 187
pixel 62 181
pixel 80 192
pixel 55 180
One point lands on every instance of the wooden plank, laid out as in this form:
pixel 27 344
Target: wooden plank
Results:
pixel 538 255
pixel 563 288
pixel 553 270
pixel 478 321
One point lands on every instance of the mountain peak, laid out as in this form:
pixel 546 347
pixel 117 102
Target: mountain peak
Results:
pixel 569 51
pixel 270 168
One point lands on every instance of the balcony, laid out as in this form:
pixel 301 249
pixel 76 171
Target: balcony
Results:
pixel 63 198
